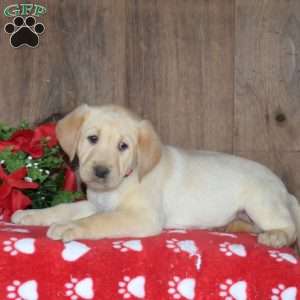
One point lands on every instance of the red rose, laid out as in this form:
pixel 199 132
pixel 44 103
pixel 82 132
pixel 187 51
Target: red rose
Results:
pixel 19 138
pixel 14 201
pixel 70 183
pixel 46 132
pixel 6 144
pixel 31 141
pixel 11 198
pixel 23 140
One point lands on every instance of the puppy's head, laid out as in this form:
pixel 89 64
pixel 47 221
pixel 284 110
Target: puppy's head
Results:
pixel 111 144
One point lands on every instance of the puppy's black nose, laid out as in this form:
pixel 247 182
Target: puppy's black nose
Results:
pixel 101 172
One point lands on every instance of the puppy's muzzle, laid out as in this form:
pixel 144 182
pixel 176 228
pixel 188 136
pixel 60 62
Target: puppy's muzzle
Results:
pixel 101 172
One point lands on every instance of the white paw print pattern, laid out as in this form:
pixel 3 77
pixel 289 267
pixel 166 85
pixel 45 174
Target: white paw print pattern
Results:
pixel 129 287
pixel 233 290
pixel 233 249
pixel 172 244
pixel 82 289
pixel 22 291
pixel 182 288
pixel 125 246
pixel 283 293
pixel 282 256
pixel 74 250
pixel 14 246
pixel 187 246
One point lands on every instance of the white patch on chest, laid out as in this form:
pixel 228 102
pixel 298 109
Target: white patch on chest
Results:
pixel 104 201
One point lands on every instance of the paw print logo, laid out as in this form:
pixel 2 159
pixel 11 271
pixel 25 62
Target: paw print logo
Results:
pixel 230 290
pixel 282 256
pixel 22 291
pixel 14 246
pixel 132 287
pixel 284 293
pixel 24 32
pixel 82 289
pixel 182 288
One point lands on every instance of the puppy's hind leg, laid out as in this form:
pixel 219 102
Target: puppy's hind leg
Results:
pixel 269 210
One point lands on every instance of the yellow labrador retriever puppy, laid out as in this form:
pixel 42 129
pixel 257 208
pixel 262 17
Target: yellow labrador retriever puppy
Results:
pixel 136 186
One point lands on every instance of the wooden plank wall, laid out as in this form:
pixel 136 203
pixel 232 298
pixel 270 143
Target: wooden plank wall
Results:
pixel 267 85
pixel 219 74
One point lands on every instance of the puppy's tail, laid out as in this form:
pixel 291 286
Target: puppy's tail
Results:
pixel 295 210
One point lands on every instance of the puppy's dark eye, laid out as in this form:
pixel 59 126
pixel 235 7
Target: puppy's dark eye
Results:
pixel 122 146
pixel 93 139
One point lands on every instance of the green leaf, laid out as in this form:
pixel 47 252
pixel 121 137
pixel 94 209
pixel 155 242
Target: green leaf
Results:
pixel 13 161
pixel 65 197
pixel 51 159
pixel 48 171
pixel 37 175
pixel 39 198
pixel 24 125
pixel 50 185
pixel 6 131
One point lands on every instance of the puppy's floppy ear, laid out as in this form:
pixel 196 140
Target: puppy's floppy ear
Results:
pixel 68 130
pixel 149 148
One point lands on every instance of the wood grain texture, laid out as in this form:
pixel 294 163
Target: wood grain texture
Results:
pixel 80 59
pixel 220 74
pixel 180 68
pixel 267 75
pixel 169 60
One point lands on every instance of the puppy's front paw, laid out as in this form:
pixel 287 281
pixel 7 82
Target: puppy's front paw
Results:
pixel 274 238
pixel 27 217
pixel 66 232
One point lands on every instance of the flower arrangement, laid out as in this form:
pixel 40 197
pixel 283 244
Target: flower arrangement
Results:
pixel 33 169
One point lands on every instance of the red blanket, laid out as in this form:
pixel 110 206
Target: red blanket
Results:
pixel 177 264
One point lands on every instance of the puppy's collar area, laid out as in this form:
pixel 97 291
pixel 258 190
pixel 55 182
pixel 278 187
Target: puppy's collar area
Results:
pixel 128 173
